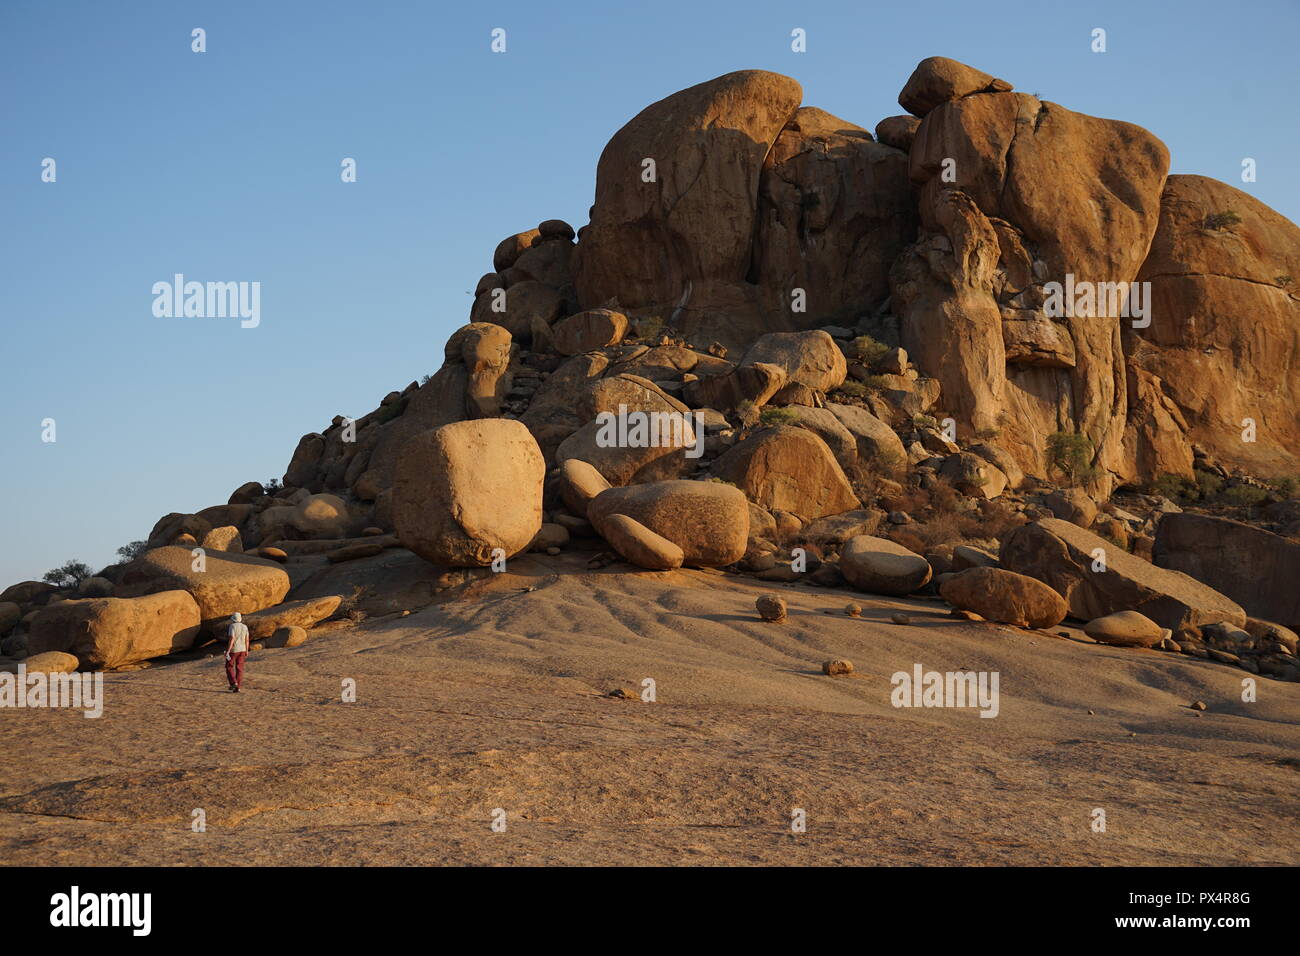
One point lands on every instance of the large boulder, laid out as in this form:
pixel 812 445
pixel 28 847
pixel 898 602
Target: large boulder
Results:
pixel 937 80
pixel 1125 629
pixel 222 582
pixel 466 489
pixel 113 632
pixel 1004 596
pixel 809 358
pixel 588 331
pixel 708 520
pixel 10 615
pixel 835 209
pixel 553 412
pixel 1224 338
pixel 28 592
pixel 788 468
pixel 623 462
pixel 755 384
pixel 1064 556
pixel 639 545
pixel 877 443
pixel 171 526
pixel 323 516
pixel 651 240
pixel 823 423
pixel 305 613
pixel 579 483
pixel 519 308
pixel 484 349
pixel 880 566
pixel 1256 568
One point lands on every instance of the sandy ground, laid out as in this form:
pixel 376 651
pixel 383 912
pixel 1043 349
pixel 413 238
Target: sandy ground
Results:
pixel 496 698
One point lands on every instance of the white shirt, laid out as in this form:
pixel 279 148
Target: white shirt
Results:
pixel 239 631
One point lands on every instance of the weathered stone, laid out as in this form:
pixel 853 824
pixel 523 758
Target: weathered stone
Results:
pixel 1005 597
pixel 223 583
pixel 114 632
pixel 708 520
pixel 1125 629
pixel 1063 555
pixel 882 567
pixel 790 469
pixel 1256 568
pixel 468 490
pixel 306 613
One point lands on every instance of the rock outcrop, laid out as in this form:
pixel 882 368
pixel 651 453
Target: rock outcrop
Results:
pixel 1096 578
pixel 1223 344
pixel 707 520
pixel 1016 193
pixel 114 632
pixel 676 202
pixel 1256 568
pixel 221 582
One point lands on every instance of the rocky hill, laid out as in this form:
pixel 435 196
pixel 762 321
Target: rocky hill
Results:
pixel 991 353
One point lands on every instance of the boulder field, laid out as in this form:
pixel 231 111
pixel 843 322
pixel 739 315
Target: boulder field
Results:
pixel 972 356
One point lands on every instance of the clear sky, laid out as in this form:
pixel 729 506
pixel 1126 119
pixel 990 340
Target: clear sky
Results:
pixel 225 166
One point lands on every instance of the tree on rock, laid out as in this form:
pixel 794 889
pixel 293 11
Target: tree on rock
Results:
pixel 69 574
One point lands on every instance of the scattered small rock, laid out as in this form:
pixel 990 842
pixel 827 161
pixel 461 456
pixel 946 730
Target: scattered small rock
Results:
pixel 1198 705
pixel 620 693
pixel 853 610
pixel 899 617
pixel 771 607
pixel 837 667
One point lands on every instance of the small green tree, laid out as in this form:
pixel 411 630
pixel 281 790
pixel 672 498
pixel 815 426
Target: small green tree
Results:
pixel 1069 454
pixel 69 574
pixel 129 552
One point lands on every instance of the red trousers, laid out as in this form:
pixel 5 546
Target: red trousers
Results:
pixel 235 668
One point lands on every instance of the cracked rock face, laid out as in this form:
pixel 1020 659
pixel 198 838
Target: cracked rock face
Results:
pixel 1044 193
pixel 1224 338
pixel 695 221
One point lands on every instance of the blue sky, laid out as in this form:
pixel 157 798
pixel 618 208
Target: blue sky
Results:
pixel 225 166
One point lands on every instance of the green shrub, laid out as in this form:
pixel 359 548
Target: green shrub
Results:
pixel 1172 487
pixel 1244 496
pixel 924 421
pixel 1207 484
pixel 853 389
pixel 1221 220
pixel 779 416
pixel 1287 486
pixel 868 350
pixel 1069 454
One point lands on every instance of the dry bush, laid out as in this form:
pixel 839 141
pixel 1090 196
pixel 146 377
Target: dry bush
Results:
pixel 993 520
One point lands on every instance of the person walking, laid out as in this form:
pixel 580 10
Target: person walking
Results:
pixel 236 651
